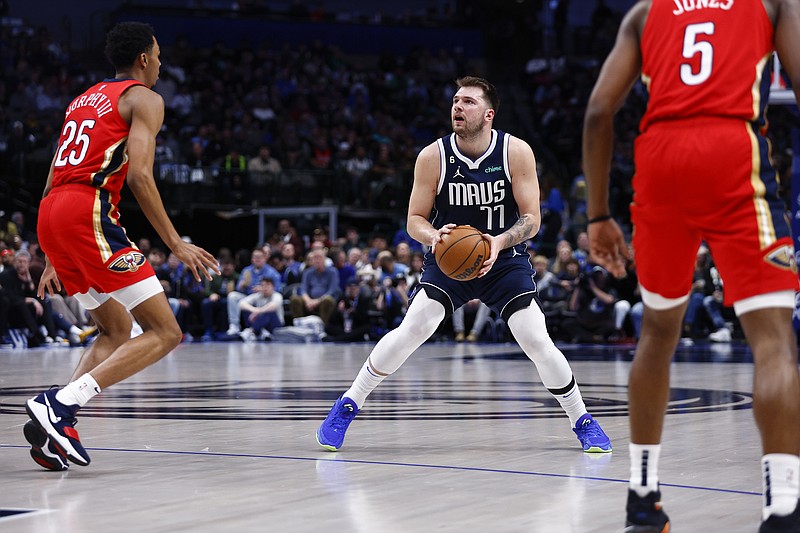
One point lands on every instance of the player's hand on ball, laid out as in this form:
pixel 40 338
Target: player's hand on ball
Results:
pixel 495 247
pixel 437 238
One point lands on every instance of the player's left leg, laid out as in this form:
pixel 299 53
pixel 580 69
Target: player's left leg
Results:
pixel 528 327
pixel 423 317
pixel 776 399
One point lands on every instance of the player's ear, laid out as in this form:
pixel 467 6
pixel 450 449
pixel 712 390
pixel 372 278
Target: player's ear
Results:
pixel 489 114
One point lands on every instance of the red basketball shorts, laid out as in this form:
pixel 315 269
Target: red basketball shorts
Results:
pixel 79 231
pixel 709 179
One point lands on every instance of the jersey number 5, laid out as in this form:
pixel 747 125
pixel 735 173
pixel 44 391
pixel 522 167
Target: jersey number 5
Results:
pixel 692 47
pixel 79 148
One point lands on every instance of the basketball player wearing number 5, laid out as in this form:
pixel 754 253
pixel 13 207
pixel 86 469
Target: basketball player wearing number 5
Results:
pixel 703 173
pixel 108 135
pixel 485 178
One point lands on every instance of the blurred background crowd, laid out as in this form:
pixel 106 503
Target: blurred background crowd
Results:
pixel 275 108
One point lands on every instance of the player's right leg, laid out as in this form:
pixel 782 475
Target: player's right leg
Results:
pixel 55 410
pixel 648 394
pixel 423 317
pixel 113 322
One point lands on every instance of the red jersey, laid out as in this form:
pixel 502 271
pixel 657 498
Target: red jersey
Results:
pixel 92 148
pixel 706 58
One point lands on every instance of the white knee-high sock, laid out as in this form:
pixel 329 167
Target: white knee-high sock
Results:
pixel 644 468
pixel 780 478
pixel 421 321
pixel 529 329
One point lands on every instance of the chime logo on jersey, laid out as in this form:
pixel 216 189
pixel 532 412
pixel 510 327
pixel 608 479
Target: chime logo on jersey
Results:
pixel 129 262
pixel 782 257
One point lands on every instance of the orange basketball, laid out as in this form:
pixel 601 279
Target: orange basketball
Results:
pixel 461 253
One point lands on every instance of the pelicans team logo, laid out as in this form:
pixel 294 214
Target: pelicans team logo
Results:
pixel 129 262
pixel 782 257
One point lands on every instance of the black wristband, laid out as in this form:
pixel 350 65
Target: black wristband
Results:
pixel 601 218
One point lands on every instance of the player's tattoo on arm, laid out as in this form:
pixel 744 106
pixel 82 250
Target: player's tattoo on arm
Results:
pixel 520 231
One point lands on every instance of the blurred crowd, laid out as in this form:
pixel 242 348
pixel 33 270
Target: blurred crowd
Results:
pixel 354 287
pixel 240 119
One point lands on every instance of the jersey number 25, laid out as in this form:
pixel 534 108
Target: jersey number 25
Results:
pixel 77 150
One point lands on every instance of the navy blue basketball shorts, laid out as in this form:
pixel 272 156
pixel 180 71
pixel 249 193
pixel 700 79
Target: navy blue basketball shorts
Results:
pixel 507 288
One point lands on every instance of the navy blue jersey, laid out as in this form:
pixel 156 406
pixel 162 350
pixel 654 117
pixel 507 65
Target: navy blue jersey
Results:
pixel 476 192
pixel 479 193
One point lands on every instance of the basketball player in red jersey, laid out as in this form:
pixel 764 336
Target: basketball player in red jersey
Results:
pixel 703 173
pixel 108 134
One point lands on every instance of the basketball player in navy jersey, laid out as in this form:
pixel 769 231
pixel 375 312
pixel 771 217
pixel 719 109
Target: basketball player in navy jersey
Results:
pixel 485 178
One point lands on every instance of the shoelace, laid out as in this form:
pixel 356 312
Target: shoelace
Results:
pixel 591 429
pixel 342 418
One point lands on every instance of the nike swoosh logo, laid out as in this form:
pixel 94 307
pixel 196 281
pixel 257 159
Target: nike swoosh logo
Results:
pixel 52 414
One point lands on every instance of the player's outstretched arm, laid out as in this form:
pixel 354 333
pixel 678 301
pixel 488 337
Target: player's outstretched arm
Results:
pixel 147 115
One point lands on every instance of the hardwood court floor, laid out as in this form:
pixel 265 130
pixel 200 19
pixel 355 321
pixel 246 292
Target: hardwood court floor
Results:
pixel 463 438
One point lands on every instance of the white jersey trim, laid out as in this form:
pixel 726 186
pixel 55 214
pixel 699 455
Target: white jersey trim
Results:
pixel 473 165
pixel 442 166
pixel 765 301
pixel 506 165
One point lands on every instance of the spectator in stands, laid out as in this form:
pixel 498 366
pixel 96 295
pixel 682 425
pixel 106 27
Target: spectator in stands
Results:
pixel 388 267
pixel 292 268
pixel 185 293
pixel 593 302
pixel 288 235
pixel 352 321
pixel 474 308
pixel 563 255
pixel 352 239
pixel 214 307
pixel 27 233
pixel 265 164
pixel 703 306
pixel 262 311
pixel 25 309
pixel 414 271
pixel 544 278
pixel 392 302
pixel 581 251
pixel 345 269
pixel 356 169
pixel 6 259
pixel 402 254
pixel 249 279
pixel 319 289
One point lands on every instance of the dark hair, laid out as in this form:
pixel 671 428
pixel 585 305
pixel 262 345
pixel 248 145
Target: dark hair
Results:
pixel 126 41
pixel 489 92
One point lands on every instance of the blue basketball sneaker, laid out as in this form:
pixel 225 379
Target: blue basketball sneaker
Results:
pixel 330 434
pixel 43 450
pixel 644 515
pixel 591 435
pixel 58 421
